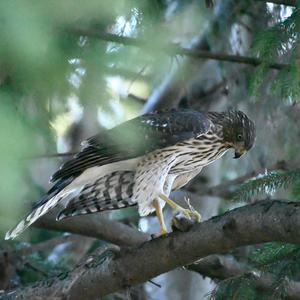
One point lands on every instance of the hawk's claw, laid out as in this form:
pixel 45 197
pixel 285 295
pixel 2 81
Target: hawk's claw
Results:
pixel 192 214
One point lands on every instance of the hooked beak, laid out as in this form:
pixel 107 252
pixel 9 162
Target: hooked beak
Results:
pixel 239 153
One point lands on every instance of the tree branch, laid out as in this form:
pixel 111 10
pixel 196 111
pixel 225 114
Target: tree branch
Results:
pixel 173 49
pixel 95 226
pixel 256 223
pixel 219 267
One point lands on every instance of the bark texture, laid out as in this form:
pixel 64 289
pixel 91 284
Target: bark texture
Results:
pixel 257 223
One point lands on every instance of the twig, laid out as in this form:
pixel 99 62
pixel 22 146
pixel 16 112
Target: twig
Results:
pixel 173 49
pixel 137 98
pixel 154 283
pixel 125 73
pixel 135 78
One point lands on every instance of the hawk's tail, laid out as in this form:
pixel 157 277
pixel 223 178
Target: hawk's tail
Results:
pixel 46 203
pixel 112 191
pixel 32 217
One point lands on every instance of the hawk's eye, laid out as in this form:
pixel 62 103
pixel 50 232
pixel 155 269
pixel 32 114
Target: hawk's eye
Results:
pixel 239 137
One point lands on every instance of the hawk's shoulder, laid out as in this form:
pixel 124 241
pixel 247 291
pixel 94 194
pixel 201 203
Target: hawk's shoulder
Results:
pixel 135 138
pixel 158 129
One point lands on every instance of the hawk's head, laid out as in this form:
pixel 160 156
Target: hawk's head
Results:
pixel 239 132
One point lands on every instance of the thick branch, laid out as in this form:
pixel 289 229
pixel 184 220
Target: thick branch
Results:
pixel 257 223
pixel 95 226
pixel 173 49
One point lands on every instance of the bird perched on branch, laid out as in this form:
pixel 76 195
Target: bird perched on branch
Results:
pixel 140 162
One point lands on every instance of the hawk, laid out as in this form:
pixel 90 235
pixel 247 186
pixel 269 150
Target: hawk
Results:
pixel 140 162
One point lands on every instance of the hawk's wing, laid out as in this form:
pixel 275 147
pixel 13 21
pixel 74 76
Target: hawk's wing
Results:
pixel 135 138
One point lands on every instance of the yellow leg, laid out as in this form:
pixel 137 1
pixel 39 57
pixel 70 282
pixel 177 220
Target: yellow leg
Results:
pixel 187 212
pixel 160 216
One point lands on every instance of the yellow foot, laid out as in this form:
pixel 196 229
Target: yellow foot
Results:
pixel 161 233
pixel 191 214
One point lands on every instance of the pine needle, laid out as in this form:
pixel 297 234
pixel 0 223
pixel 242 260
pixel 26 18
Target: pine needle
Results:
pixel 268 184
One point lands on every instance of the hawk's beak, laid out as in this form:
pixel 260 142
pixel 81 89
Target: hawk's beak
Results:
pixel 239 153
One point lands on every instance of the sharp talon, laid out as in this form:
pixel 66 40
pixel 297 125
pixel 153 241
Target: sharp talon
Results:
pixel 197 216
pixel 194 215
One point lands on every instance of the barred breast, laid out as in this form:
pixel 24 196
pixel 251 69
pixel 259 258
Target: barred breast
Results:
pixel 197 153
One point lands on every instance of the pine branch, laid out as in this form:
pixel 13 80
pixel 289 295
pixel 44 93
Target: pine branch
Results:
pixel 267 282
pixel 267 183
pixel 173 49
pixel 252 224
pixel 226 267
pixel 271 253
pixel 226 189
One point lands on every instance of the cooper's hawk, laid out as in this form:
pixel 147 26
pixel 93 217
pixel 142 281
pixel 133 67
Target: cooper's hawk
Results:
pixel 141 161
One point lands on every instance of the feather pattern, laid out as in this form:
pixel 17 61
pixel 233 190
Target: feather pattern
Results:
pixel 136 138
pixel 112 191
